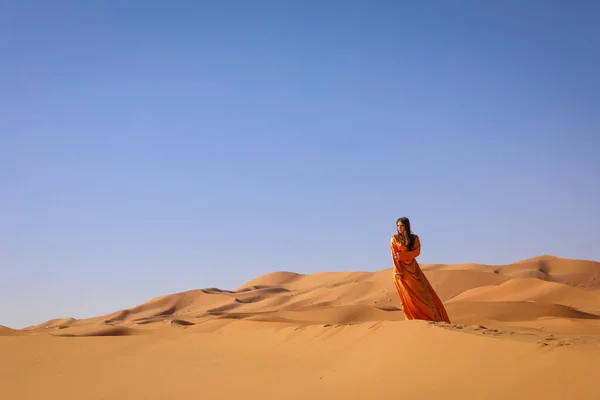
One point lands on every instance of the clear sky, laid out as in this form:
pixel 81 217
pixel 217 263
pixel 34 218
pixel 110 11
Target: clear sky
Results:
pixel 151 147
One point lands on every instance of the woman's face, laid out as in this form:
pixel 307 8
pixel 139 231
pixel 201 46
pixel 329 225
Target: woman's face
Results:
pixel 401 229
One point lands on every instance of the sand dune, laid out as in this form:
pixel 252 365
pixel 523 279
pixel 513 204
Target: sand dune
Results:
pixel 516 311
pixel 333 315
pixel 5 331
pixel 579 273
pixel 81 331
pixel 534 290
pixel 523 292
pixel 53 323
pixel 329 334
pixel 451 282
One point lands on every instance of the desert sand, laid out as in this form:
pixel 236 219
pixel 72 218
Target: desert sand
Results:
pixel 528 330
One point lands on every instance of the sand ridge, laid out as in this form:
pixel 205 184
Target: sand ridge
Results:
pixel 556 294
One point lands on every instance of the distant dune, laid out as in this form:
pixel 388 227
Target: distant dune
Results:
pixel 4 331
pixel 514 296
pixel 329 334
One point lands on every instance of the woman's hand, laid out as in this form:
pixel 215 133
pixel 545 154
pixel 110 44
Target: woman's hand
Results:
pixel 400 256
pixel 397 273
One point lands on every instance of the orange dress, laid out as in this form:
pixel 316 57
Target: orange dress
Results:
pixel 419 300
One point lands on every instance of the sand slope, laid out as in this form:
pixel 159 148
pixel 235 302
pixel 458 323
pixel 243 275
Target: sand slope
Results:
pixel 5 331
pixel 243 359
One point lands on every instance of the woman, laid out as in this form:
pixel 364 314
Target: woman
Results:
pixel 419 300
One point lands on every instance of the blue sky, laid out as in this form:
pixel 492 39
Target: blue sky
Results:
pixel 152 147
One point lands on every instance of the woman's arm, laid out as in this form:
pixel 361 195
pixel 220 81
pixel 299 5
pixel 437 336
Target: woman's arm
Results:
pixel 393 250
pixel 409 255
pixel 397 268
pixel 396 252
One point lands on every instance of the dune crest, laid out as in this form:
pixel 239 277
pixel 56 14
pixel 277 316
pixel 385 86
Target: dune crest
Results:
pixel 515 296
pixel 6 331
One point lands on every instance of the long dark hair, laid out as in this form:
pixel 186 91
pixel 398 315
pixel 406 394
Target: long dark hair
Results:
pixel 409 240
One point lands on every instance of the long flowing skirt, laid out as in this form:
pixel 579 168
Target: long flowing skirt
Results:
pixel 419 300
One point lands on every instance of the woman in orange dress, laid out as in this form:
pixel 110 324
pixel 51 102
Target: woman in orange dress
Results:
pixel 419 300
